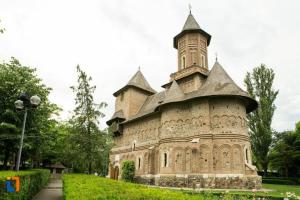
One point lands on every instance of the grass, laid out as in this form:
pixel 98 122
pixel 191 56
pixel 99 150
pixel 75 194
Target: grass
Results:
pixel 283 189
pixel 81 186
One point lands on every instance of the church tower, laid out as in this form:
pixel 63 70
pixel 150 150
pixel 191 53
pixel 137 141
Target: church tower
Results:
pixel 191 44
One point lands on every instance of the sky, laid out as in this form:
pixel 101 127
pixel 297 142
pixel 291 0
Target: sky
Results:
pixel 110 39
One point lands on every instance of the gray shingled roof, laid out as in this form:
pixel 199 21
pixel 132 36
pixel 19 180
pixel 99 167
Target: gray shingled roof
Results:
pixel 217 84
pixel 117 115
pixel 190 23
pixel 138 81
pixel 191 26
pixel 174 93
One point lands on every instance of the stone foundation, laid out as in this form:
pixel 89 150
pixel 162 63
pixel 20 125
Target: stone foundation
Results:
pixel 203 181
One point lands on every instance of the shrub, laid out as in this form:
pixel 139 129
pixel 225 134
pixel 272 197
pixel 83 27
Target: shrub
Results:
pixel 128 170
pixel 281 180
pixel 30 183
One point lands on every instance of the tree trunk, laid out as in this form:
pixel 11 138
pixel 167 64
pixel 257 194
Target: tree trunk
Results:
pixel 286 171
pixel 6 157
pixel 90 167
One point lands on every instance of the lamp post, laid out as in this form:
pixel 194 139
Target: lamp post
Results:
pixel 24 103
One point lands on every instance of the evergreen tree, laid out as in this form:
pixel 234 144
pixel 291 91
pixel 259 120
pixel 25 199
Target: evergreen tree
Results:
pixel 260 87
pixel 87 140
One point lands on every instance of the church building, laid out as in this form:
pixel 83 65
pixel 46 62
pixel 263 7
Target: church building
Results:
pixel 191 134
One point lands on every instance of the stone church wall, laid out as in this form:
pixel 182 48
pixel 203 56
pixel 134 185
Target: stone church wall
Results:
pixel 203 142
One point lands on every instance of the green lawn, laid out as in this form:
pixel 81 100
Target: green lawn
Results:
pixel 282 189
pixel 80 186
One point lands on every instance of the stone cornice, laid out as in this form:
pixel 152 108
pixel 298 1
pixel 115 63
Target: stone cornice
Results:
pixel 186 72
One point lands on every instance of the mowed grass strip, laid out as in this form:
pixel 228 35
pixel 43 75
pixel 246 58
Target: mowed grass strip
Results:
pixel 83 187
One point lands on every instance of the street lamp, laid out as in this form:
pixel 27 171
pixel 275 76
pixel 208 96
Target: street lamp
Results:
pixel 24 103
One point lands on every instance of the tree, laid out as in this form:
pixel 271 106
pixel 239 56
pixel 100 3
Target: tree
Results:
pixel 285 153
pixel 260 87
pixel 86 139
pixel 15 79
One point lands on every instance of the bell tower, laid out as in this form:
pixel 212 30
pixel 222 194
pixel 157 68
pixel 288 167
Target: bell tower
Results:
pixel 191 44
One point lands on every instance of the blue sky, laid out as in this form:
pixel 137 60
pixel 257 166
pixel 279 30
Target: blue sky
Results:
pixel 111 39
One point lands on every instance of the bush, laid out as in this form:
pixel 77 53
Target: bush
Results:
pixel 281 180
pixel 31 182
pixel 128 170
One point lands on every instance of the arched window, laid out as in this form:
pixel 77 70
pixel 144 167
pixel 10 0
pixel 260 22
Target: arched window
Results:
pixel 183 62
pixel 165 159
pixel 133 145
pixel 139 163
pixel 202 61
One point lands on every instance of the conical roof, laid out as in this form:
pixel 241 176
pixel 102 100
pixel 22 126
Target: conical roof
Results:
pixel 219 83
pixel 191 26
pixel 174 93
pixel 190 23
pixel 138 81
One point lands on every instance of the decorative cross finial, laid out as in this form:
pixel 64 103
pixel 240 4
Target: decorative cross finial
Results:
pixel 190 8
pixel 139 68
pixel 216 57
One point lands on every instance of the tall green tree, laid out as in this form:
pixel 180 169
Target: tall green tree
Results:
pixel 285 152
pixel 88 141
pixel 259 85
pixel 15 79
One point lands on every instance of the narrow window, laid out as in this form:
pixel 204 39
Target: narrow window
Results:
pixel 247 159
pixel 202 61
pixel 139 167
pixel 134 146
pixel 165 159
pixel 182 62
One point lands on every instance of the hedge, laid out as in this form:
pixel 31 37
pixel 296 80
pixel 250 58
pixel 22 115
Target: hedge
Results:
pixel 85 187
pixel 31 182
pixel 281 180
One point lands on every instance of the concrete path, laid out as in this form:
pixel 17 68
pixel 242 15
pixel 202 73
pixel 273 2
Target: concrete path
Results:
pixel 53 191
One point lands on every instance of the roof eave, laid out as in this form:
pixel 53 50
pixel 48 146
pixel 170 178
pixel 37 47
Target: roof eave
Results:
pixel 169 83
pixel 205 34
pixel 133 86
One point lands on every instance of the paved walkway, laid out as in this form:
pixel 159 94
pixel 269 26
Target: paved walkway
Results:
pixel 53 191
